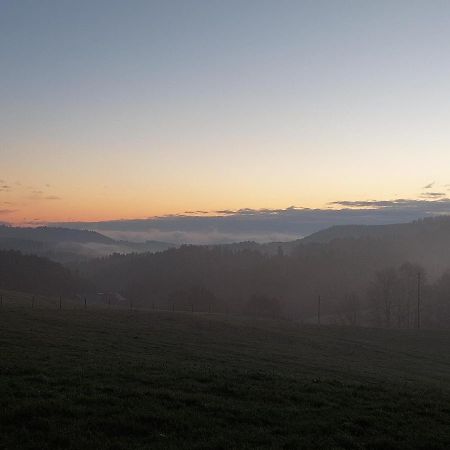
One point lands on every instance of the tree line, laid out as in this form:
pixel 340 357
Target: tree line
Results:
pixel 360 282
pixel 363 281
pixel 37 275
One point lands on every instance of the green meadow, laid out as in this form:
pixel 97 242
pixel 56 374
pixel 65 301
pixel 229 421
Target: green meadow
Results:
pixel 108 378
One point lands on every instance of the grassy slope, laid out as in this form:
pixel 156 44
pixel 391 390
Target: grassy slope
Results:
pixel 120 379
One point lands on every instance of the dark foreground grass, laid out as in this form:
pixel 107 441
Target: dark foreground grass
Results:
pixel 102 379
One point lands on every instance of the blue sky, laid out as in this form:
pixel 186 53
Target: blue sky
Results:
pixel 134 109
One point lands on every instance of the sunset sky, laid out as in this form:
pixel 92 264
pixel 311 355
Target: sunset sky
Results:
pixel 134 109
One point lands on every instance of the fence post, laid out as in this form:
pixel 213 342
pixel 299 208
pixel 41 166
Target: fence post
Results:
pixel 32 303
pixel 85 305
pixel 60 302
pixel 318 309
pixel 192 307
pixel 418 300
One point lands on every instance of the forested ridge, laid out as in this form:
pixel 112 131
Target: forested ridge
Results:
pixel 34 274
pixel 371 279
pixel 366 280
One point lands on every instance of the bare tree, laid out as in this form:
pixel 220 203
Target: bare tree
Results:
pixel 348 309
pixel 382 295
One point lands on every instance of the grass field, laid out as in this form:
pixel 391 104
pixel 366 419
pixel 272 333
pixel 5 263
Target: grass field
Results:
pixel 117 379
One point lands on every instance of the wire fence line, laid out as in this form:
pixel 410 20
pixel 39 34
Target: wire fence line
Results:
pixel 39 301
pixel 325 314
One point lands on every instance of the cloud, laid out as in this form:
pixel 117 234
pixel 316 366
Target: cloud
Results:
pixel 225 211
pixel 197 212
pixel 432 194
pixel 7 211
pixel 5 188
pixel 402 205
pixel 429 186
pixel 263 225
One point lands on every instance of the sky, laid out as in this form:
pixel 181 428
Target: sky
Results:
pixel 140 109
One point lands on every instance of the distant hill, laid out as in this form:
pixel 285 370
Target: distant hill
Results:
pixel 439 227
pixel 426 241
pixel 374 231
pixel 68 245
pixel 54 235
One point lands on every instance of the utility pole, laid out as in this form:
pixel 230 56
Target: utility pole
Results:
pixel 418 299
pixel 318 309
